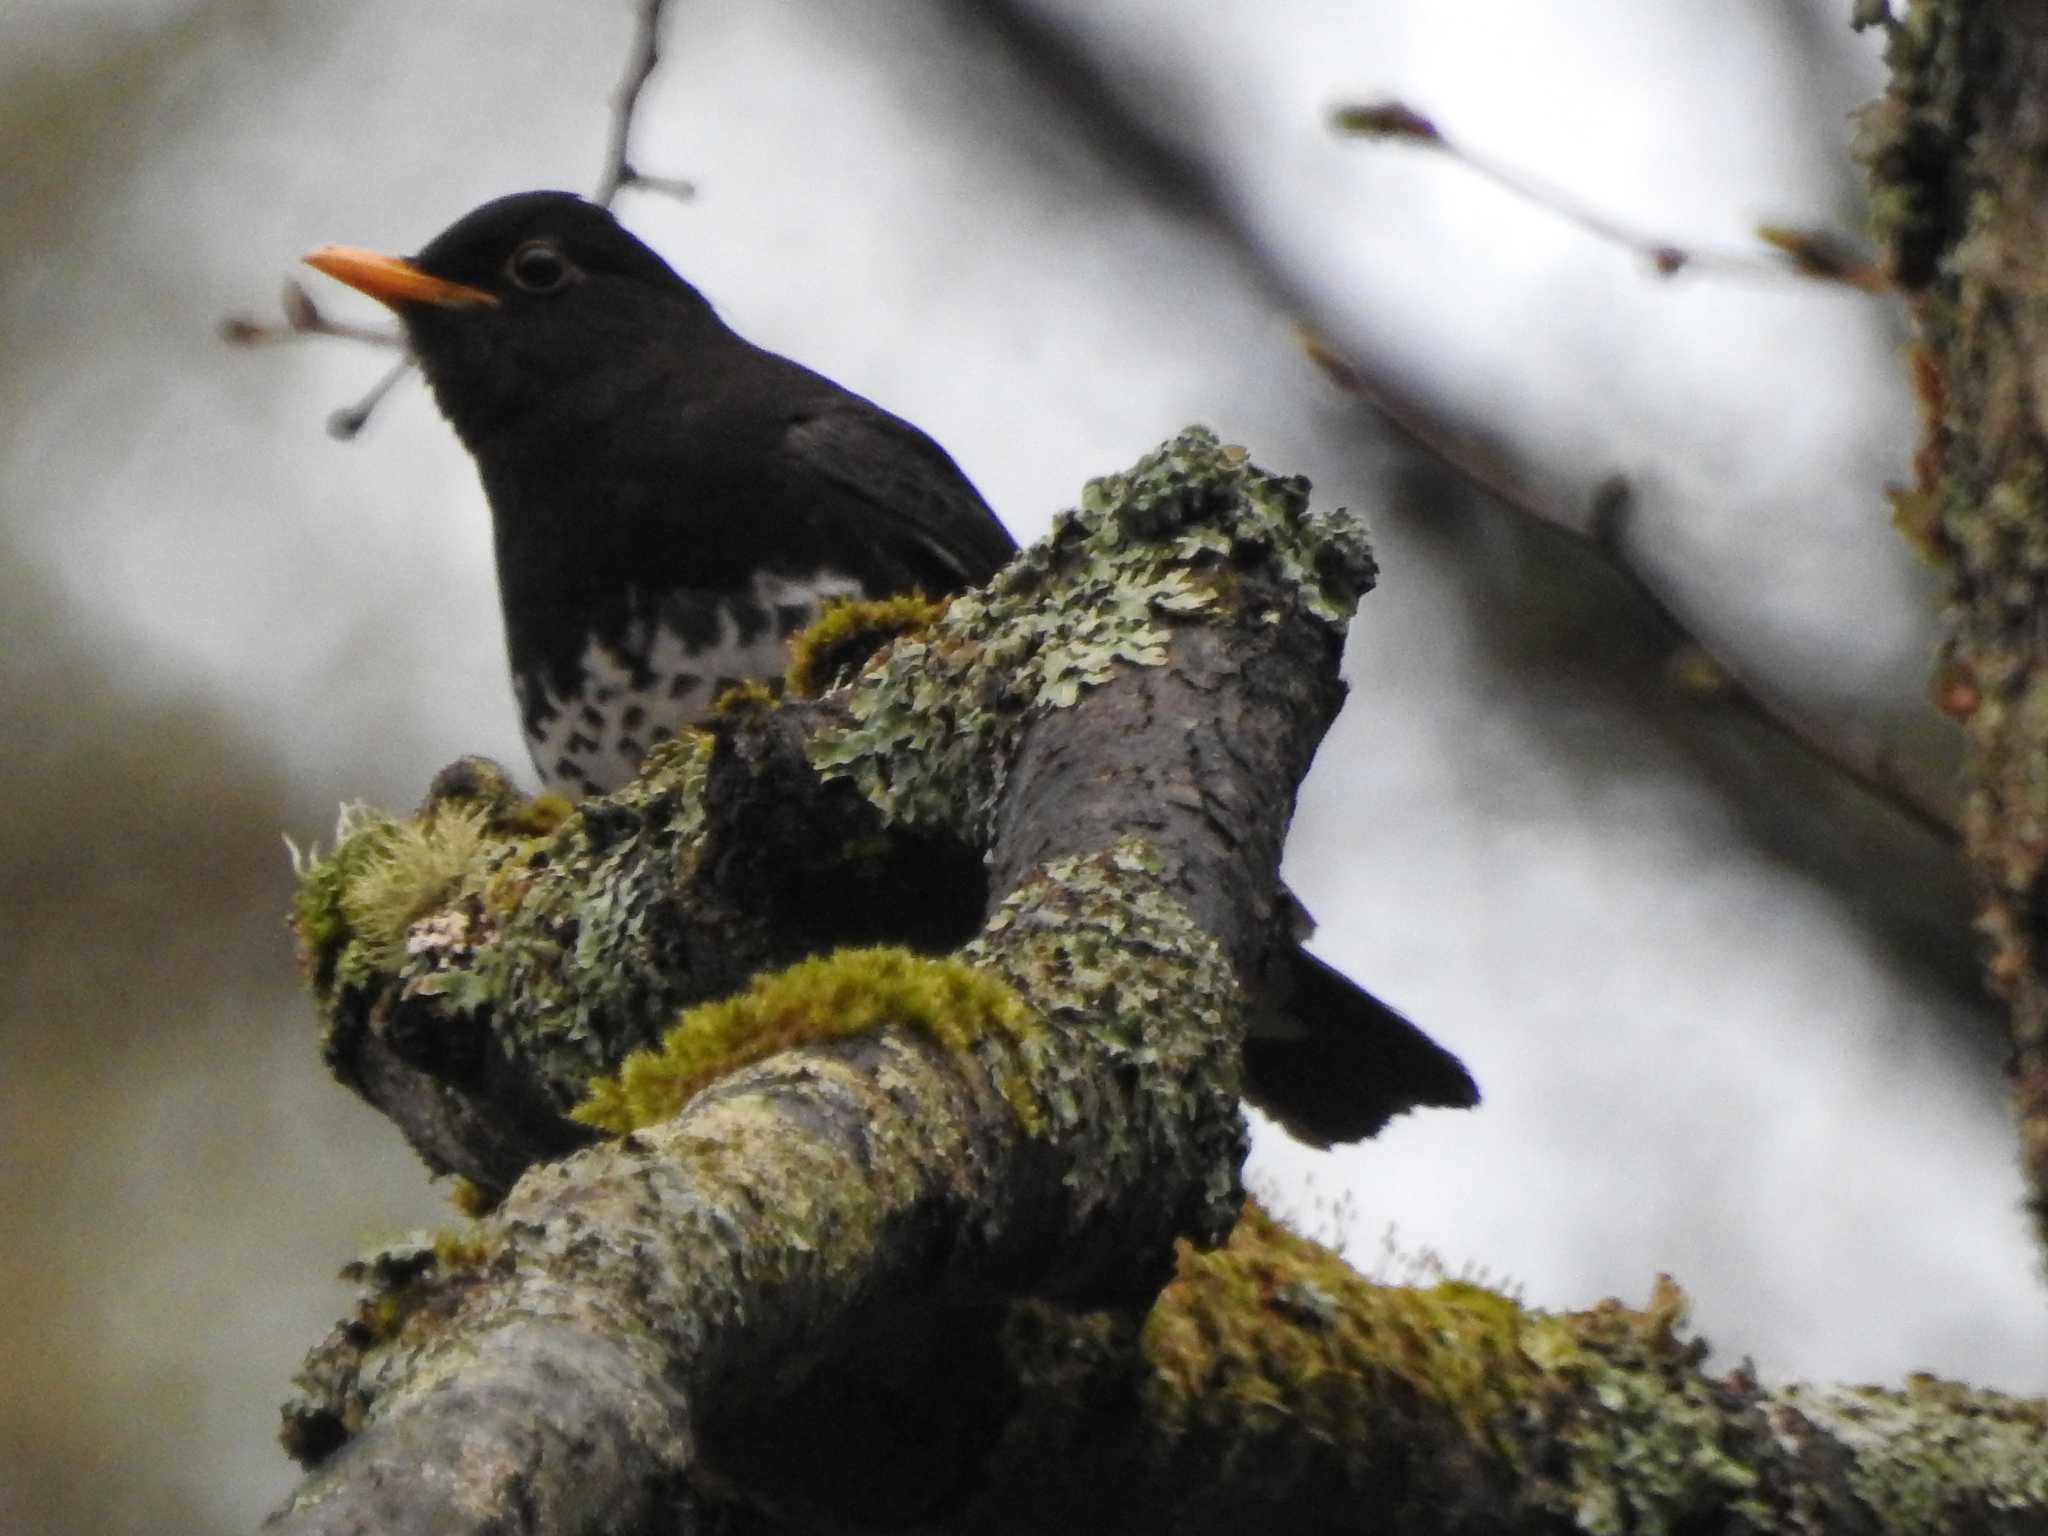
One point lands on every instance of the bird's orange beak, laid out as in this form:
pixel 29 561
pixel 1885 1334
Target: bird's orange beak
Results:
pixel 393 280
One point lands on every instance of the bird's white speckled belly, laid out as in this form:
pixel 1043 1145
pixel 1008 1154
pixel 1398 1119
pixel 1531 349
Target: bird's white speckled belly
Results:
pixel 592 739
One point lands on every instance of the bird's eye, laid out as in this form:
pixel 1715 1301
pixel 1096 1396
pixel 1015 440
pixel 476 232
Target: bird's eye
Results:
pixel 538 267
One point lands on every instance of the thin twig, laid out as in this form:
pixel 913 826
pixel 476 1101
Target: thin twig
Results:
pixel 1181 182
pixel 302 317
pixel 344 424
pixel 1791 251
pixel 619 171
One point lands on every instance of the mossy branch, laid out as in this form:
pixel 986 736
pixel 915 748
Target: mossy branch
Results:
pixel 880 1237
pixel 1046 1114
pixel 1273 1388
pixel 1957 151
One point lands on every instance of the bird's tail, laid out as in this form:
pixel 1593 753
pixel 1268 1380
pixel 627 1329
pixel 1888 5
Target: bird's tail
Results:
pixel 1337 1063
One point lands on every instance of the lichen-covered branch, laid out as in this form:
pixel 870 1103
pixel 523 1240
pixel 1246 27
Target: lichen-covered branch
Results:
pixel 790 1211
pixel 1272 1388
pixel 1958 157
pixel 1044 1115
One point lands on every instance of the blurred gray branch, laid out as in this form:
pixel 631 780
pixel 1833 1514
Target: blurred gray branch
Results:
pixel 1125 136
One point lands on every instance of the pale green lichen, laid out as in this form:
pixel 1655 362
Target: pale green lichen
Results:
pixel 1647 1431
pixel 828 997
pixel 407 1292
pixel 1938 1448
pixel 933 729
pixel 557 926
pixel 579 954
pixel 743 696
pixel 1090 944
pixel 1096 945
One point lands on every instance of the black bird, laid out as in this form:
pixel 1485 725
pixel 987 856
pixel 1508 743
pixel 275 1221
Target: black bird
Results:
pixel 671 502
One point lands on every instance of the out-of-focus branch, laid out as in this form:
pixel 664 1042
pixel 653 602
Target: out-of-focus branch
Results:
pixel 1158 167
pixel 1602 527
pixel 1792 252
pixel 303 318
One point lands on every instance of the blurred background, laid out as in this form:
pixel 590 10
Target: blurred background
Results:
pixel 1723 1002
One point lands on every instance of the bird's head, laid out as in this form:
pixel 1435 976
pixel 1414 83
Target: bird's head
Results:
pixel 530 310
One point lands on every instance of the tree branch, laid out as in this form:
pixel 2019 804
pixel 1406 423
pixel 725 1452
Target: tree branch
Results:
pixel 641 60
pixel 1785 251
pixel 1274 1389
pixel 837 1259
pixel 1958 155
pixel 1049 1129
pixel 1092 98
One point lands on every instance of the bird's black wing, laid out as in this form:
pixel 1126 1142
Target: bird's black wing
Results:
pixel 924 509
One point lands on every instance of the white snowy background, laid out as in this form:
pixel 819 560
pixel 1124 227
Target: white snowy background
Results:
pixel 1723 1006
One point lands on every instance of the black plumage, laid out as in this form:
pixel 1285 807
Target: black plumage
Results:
pixel 669 502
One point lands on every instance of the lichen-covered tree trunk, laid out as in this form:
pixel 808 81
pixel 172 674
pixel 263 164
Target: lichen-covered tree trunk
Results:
pixel 1958 156
pixel 885 1237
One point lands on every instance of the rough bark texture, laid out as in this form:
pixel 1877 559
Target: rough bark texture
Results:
pixel 881 1243
pixel 491 951
pixel 1958 156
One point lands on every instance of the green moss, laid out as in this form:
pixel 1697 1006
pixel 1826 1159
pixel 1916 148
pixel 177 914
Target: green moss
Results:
pixel 553 924
pixel 471 1248
pixel 470 1197
pixel 1271 1334
pixel 354 911
pixel 848 634
pixel 1272 1352
pixel 418 867
pixel 933 727
pixel 743 696
pixel 404 1288
pixel 542 815
pixel 319 918
pixel 1916 516
pixel 849 992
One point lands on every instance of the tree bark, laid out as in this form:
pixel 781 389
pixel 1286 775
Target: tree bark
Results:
pixel 1958 157
pixel 1053 1136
